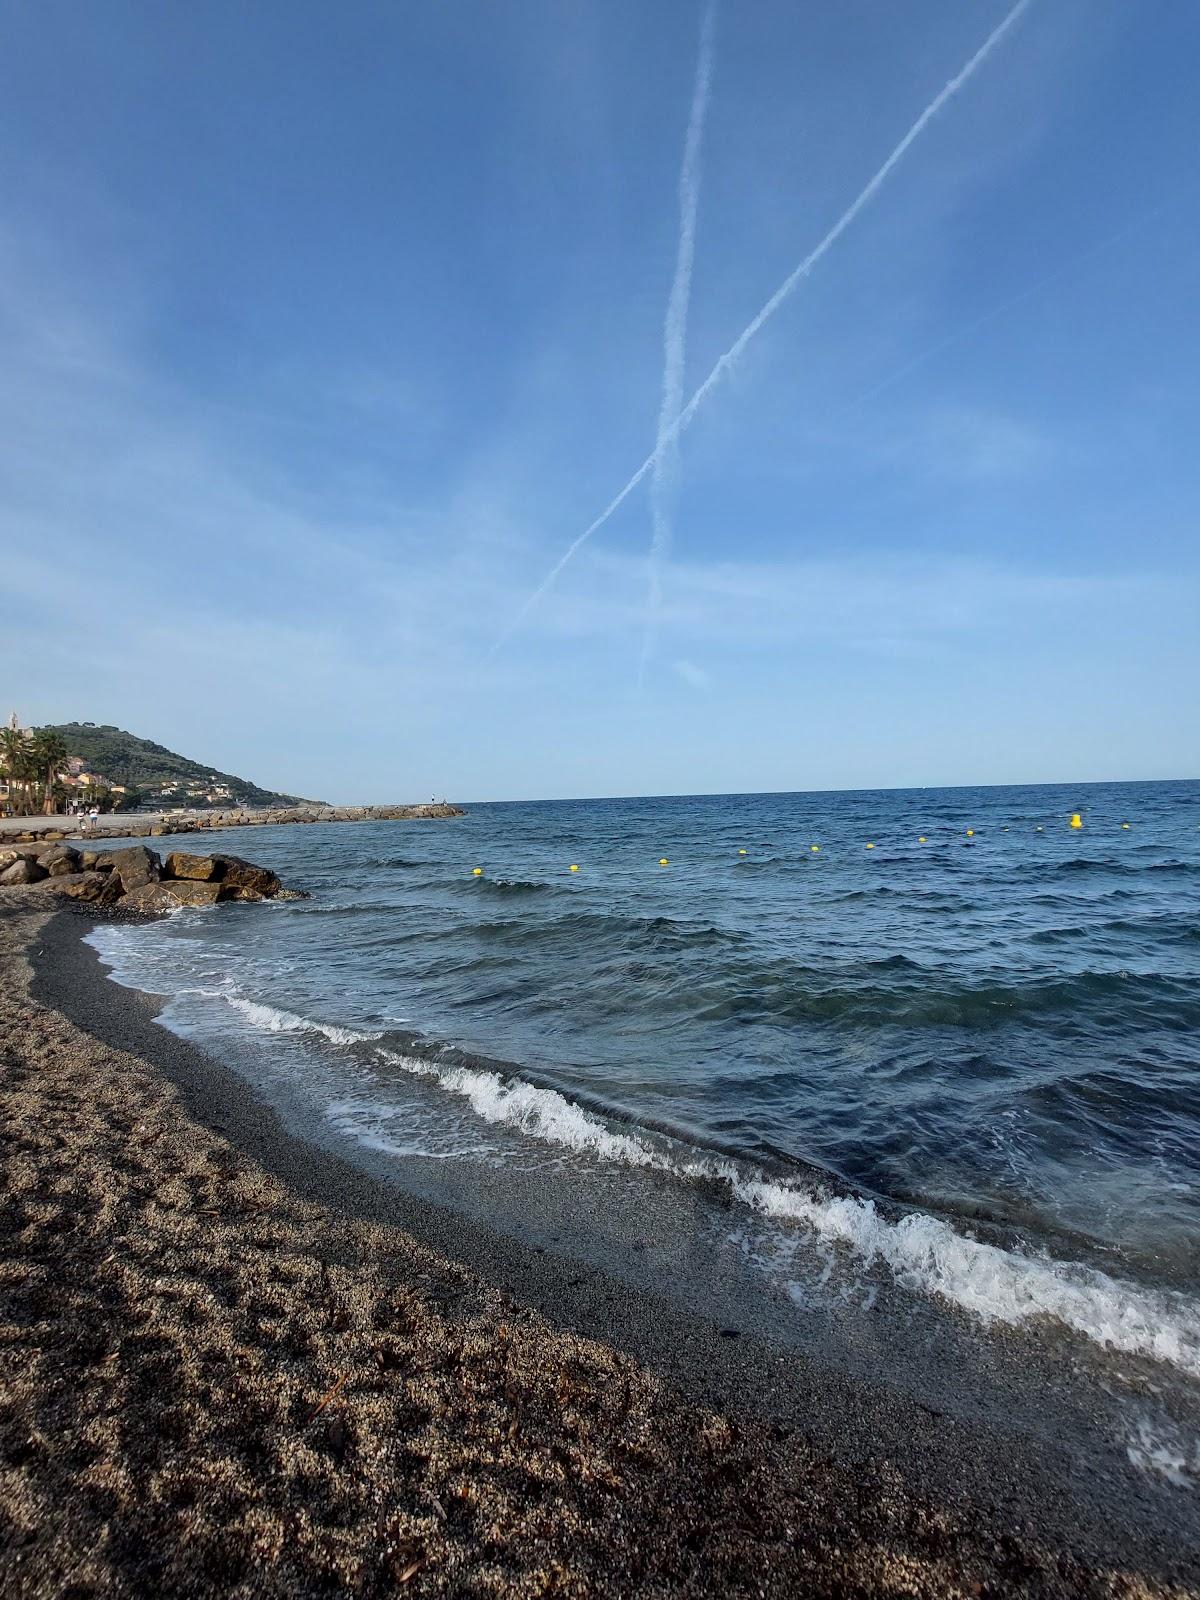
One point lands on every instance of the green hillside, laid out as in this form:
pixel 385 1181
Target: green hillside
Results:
pixel 140 764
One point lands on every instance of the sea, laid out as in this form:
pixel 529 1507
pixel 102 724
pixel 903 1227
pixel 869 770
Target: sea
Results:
pixel 906 1080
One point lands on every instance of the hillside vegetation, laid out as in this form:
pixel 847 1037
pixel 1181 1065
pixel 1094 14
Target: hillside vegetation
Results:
pixel 141 764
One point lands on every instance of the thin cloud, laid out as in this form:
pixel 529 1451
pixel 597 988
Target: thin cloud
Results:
pixel 695 677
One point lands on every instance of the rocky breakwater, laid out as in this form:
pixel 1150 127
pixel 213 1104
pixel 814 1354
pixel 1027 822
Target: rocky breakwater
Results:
pixel 137 879
pixel 198 821
pixel 124 825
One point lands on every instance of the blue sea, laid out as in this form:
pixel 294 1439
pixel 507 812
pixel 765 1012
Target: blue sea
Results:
pixel 938 1044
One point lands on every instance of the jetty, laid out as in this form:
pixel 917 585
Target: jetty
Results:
pixel 154 824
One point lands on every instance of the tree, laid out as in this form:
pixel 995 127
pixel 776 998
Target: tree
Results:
pixel 49 754
pixel 16 761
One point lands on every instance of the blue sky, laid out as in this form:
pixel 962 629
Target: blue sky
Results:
pixel 324 331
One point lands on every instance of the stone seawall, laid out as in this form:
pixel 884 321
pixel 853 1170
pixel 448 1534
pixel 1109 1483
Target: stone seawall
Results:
pixel 141 825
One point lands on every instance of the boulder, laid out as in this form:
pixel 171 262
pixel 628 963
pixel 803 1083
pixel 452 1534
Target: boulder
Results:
pixel 93 860
pixel 23 870
pixel 135 866
pixel 169 894
pixel 93 887
pixel 237 875
pixel 203 869
pixel 59 860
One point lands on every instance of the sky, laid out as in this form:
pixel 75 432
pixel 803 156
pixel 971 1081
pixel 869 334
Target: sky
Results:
pixel 325 331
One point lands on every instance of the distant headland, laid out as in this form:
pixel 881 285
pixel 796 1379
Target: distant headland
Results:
pixel 85 778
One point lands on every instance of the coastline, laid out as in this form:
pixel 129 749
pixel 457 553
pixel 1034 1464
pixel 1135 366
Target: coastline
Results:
pixel 612 1438
pixel 155 824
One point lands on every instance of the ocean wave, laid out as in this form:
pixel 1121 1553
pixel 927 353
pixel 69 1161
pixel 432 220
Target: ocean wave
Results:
pixel 1125 868
pixel 271 1019
pixel 923 1253
pixel 613 934
pixel 1158 926
pixel 905 994
pixel 508 886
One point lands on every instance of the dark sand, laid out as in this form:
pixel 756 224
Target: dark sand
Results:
pixel 226 1370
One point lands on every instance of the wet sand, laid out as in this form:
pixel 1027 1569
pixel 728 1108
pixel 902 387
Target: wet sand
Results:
pixel 231 1364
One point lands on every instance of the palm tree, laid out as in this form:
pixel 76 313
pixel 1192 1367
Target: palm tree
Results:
pixel 49 754
pixel 16 762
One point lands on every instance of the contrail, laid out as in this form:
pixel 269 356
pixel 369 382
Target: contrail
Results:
pixel 724 362
pixel 664 477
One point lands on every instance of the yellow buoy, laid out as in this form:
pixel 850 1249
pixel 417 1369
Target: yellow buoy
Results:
pixel 870 847
pixel 477 872
pixel 1124 824
pixel 574 868
pixel 1076 820
pixel 970 833
pixel 921 839
pixel 663 862
pixel 741 852
pixel 815 848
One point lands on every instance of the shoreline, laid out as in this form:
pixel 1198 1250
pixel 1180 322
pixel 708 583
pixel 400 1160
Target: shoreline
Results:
pixel 861 1453
pixel 155 824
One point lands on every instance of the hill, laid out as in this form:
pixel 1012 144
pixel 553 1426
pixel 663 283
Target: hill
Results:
pixel 141 764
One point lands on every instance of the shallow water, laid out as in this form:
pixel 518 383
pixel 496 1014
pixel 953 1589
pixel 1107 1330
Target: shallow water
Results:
pixel 968 1064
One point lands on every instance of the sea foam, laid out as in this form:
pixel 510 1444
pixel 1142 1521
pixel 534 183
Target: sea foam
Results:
pixel 270 1019
pixel 922 1253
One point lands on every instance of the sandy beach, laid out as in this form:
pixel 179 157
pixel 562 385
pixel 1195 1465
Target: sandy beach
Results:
pixel 229 1364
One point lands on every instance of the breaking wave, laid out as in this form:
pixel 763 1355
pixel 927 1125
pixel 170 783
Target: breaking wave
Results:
pixel 923 1253
pixel 270 1019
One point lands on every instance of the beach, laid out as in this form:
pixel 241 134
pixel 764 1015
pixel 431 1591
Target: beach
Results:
pixel 234 1364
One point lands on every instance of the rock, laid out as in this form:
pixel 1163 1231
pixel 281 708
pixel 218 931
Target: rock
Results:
pixel 22 870
pixel 59 860
pixel 237 875
pixel 135 866
pixel 92 859
pixel 169 894
pixel 180 864
pixel 89 886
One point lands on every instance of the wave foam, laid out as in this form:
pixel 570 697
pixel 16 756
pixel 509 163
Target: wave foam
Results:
pixel 923 1254
pixel 270 1019
pixel 996 1285
pixel 1159 1446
